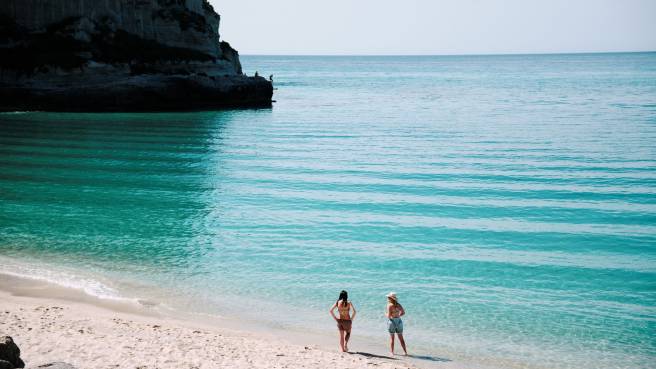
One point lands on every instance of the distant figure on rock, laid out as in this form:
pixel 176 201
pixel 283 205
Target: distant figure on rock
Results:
pixel 257 74
pixel 271 78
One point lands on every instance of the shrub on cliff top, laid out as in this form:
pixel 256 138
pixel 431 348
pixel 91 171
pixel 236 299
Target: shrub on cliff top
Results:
pixel 208 7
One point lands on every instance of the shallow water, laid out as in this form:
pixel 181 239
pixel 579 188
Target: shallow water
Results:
pixel 510 201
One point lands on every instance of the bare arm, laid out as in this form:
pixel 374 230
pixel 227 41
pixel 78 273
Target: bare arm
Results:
pixel 332 311
pixel 354 312
pixel 401 310
pixel 388 311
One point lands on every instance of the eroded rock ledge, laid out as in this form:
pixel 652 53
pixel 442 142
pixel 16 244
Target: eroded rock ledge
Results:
pixel 119 55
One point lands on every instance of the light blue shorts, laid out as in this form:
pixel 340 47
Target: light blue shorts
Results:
pixel 395 325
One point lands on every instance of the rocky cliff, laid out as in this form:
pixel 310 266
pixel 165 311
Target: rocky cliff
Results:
pixel 113 55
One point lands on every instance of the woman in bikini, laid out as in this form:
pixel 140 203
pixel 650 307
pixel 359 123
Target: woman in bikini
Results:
pixel 344 306
pixel 394 312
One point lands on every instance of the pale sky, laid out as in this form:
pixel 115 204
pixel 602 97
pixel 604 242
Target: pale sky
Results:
pixel 310 27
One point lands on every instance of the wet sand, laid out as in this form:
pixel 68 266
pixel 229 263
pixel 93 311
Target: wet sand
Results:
pixel 51 323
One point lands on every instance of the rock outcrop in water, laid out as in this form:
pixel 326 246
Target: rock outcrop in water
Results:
pixel 119 55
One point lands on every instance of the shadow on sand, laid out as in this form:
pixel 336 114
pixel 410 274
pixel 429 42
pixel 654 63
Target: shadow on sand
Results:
pixel 366 354
pixel 416 357
pixel 430 358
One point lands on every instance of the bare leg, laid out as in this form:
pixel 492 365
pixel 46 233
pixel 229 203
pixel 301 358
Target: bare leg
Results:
pixel 392 342
pixel 341 340
pixel 346 339
pixel 402 343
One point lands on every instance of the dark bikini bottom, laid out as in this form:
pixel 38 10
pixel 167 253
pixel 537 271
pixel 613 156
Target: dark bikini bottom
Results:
pixel 344 324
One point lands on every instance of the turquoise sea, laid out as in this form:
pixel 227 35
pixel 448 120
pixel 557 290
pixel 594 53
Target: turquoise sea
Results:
pixel 510 201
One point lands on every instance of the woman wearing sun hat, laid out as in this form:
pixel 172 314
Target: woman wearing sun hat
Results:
pixel 394 312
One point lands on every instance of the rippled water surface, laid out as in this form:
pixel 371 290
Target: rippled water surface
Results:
pixel 510 201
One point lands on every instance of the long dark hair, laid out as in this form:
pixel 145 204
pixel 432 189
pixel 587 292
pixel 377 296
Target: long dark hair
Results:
pixel 343 296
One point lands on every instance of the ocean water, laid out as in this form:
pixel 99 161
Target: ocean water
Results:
pixel 510 201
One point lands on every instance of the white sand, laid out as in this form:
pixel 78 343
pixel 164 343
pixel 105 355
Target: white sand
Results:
pixel 88 336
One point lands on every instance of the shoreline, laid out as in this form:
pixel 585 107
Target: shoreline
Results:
pixel 45 279
pixel 54 323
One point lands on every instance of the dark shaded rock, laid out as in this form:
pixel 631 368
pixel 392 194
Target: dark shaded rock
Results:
pixel 10 352
pixel 6 365
pixel 190 24
pixel 231 55
pixel 57 365
pixel 119 55
pixel 143 93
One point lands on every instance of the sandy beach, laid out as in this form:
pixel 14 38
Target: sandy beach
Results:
pixel 91 336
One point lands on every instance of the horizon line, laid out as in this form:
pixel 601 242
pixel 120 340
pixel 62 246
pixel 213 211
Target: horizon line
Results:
pixel 473 54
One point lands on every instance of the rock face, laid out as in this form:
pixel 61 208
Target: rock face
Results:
pixel 113 55
pixel 10 354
